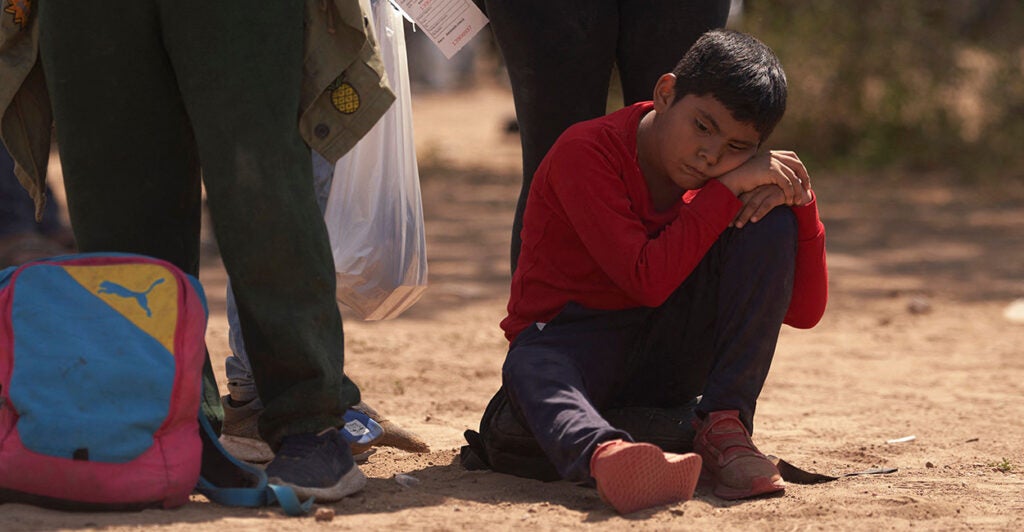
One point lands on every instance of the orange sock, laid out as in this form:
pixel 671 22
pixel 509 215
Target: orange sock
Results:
pixel 634 476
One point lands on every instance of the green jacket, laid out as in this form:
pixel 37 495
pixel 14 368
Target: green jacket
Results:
pixel 344 90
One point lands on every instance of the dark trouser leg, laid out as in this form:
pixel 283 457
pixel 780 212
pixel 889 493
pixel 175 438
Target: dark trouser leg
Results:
pixel 654 35
pixel 130 169
pixel 559 55
pixel 716 335
pixel 131 172
pixel 558 379
pixel 756 288
pixel 240 71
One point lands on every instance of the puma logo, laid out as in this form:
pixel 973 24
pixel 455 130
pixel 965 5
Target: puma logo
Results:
pixel 108 287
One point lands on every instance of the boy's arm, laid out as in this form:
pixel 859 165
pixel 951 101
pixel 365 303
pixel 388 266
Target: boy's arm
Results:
pixel 594 198
pixel 810 283
pixel 810 279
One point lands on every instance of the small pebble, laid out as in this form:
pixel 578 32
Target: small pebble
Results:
pixel 929 465
pixel 324 514
pixel 406 481
pixel 919 305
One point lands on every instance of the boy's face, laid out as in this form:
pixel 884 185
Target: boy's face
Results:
pixel 697 139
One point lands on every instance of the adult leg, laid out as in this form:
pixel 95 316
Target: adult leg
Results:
pixel 240 71
pixel 131 173
pixel 242 406
pixel 558 378
pixel 654 35
pixel 559 55
pixel 130 170
pixel 241 385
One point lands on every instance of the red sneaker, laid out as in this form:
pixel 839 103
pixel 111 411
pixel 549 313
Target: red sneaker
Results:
pixel 734 464
pixel 634 476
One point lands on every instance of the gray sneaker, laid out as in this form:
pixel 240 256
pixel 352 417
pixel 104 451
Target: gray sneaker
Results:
pixel 240 435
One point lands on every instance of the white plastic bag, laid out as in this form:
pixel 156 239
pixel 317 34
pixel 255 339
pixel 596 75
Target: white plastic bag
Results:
pixel 375 212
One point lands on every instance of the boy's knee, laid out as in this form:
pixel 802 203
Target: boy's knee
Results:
pixel 775 234
pixel 530 365
pixel 779 224
pixel 768 243
pixel 513 369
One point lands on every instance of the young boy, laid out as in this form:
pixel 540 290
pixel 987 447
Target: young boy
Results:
pixel 662 252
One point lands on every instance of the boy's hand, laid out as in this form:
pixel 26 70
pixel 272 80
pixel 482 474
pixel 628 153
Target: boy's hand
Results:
pixel 790 161
pixel 757 203
pixel 780 168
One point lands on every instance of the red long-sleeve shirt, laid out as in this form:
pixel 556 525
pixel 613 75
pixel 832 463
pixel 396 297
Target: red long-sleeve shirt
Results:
pixel 591 234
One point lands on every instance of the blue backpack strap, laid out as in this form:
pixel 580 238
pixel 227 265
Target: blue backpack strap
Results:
pixel 248 485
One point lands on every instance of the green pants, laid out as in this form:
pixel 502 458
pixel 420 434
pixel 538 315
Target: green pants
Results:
pixel 153 97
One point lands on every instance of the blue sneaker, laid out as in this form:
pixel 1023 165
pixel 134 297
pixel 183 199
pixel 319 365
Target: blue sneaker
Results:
pixel 316 465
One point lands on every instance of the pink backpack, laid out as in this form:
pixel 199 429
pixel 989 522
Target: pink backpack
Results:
pixel 100 376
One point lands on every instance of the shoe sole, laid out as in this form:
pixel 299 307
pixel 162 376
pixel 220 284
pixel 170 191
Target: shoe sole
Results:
pixel 349 483
pixel 759 486
pixel 641 476
pixel 247 449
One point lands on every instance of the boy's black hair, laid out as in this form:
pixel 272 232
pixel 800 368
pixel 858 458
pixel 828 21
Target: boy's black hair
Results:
pixel 739 71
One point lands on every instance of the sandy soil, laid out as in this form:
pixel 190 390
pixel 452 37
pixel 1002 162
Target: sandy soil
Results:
pixel 914 343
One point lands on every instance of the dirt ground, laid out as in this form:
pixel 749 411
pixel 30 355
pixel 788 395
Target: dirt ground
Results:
pixel 914 344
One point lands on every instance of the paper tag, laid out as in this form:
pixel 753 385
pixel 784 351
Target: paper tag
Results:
pixel 449 23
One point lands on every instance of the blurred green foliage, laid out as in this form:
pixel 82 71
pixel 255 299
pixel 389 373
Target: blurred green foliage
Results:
pixel 921 85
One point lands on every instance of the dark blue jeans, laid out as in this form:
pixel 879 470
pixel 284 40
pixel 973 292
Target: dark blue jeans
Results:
pixel 714 337
pixel 559 55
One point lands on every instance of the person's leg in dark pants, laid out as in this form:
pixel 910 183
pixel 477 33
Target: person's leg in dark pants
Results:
pixel 716 337
pixel 654 35
pixel 559 56
pixel 240 71
pixel 132 172
pixel 558 378
pixel 130 168
pixel 754 293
